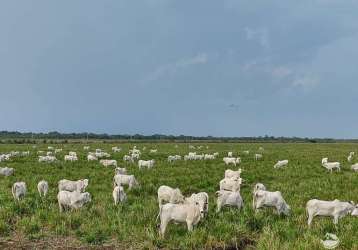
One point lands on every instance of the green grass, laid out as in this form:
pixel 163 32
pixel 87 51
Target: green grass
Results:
pixel 133 224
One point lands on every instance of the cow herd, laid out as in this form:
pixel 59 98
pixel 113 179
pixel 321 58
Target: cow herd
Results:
pixel 173 205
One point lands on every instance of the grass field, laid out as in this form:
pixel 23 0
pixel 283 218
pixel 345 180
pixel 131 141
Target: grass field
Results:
pixel 133 224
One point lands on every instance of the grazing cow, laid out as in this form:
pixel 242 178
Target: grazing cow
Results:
pixel 231 184
pixel 355 167
pixel 120 171
pixel 19 190
pixel 71 158
pixel 47 158
pixel 188 213
pixel 246 152
pixel 173 158
pixel 168 194
pixel 122 179
pixel 66 185
pixel 58 150
pixel 350 156
pixel 216 154
pixel 116 149
pixel 281 164
pixel 86 147
pixel 145 164
pixel 233 174
pixel 119 195
pixel 228 198
pixel 232 160
pixel 209 157
pixel 202 199
pixel 72 200
pixel 72 153
pixel 6 171
pixel 108 163
pixel 263 198
pixel 128 158
pixel 91 157
pixel 336 209
pixel 258 157
pixel 42 187
pixel 331 165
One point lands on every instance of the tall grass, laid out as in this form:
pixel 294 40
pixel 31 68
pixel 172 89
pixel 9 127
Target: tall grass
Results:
pixel 133 224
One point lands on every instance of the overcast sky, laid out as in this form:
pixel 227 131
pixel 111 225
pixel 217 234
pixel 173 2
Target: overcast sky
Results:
pixel 222 68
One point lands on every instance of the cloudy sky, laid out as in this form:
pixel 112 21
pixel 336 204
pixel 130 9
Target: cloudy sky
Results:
pixel 223 68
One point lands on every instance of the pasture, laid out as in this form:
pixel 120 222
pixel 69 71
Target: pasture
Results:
pixel 133 224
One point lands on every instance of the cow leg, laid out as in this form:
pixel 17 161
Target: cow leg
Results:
pixel 163 226
pixel 189 223
pixel 218 206
pixel 335 219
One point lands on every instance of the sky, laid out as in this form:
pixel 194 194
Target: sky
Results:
pixel 203 67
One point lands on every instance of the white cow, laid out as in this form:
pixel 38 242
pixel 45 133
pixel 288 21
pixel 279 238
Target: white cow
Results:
pixel 209 157
pixel 231 184
pixel 258 157
pixel 108 163
pixel 246 152
pixel 116 149
pixel 58 150
pixel 47 158
pixel 153 151
pixel 49 148
pixel 168 194
pixel 128 158
pixel 355 167
pixel 232 160
pixel 122 179
pixel 146 164
pixel 86 147
pixel 336 209
pixel 188 213
pixel 91 157
pixel 42 188
pixel 331 165
pixel 173 158
pixel 119 195
pixel 233 174
pixel 202 199
pixel 19 190
pixel 72 153
pixel 72 200
pixel 350 156
pixel 281 164
pixel 120 171
pixel 263 198
pixel 71 158
pixel 66 185
pixel 6 171
pixel 228 198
